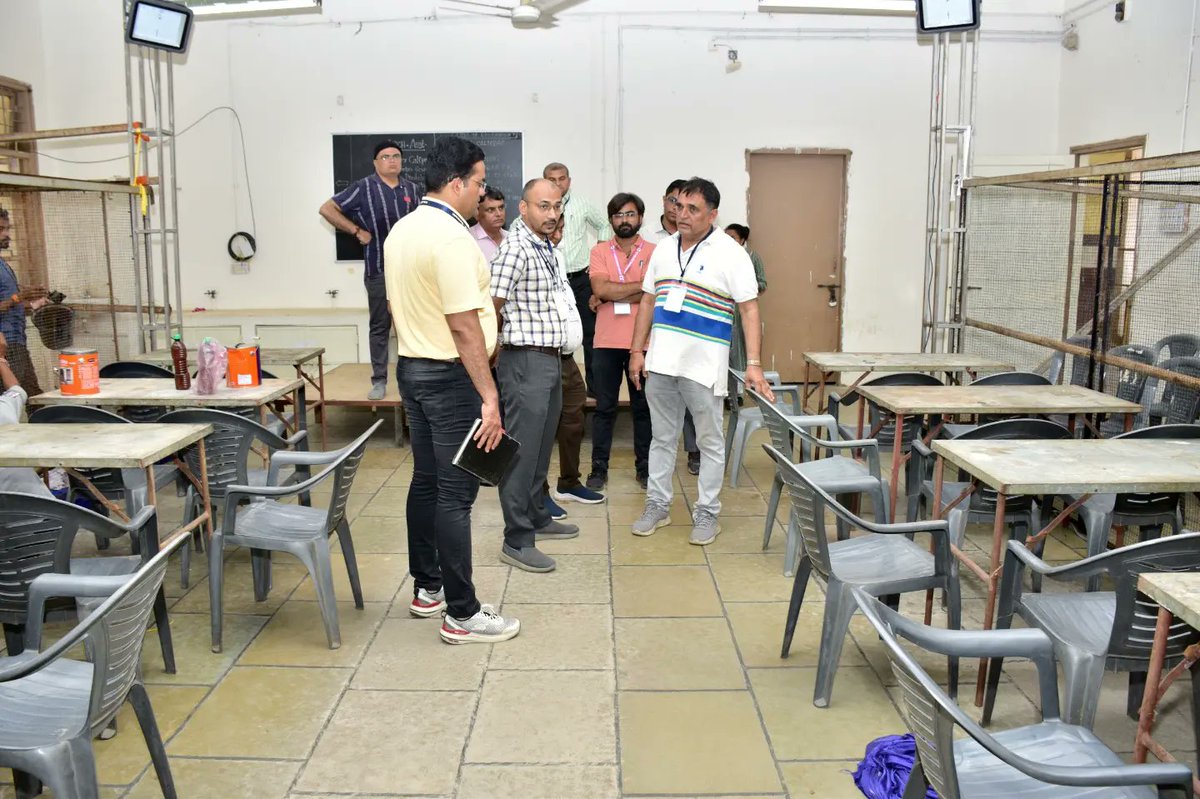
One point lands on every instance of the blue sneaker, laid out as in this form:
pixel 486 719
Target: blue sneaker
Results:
pixel 556 512
pixel 579 494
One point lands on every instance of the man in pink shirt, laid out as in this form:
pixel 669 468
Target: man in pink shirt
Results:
pixel 616 269
pixel 488 229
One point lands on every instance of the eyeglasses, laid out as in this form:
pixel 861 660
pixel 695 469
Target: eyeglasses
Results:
pixel 389 157
pixel 625 215
pixel 482 183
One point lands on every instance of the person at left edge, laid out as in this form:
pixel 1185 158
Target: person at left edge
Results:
pixel 15 303
pixel 367 209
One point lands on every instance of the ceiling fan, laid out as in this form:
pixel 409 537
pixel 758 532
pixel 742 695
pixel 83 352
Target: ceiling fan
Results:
pixel 525 14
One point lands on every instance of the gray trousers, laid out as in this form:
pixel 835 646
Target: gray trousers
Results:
pixel 379 328
pixel 669 397
pixel 530 386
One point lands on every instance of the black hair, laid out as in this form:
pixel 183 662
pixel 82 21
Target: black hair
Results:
pixel 705 188
pixel 451 157
pixel 622 199
pixel 742 231
pixel 493 194
pixel 555 166
pixel 675 185
pixel 386 144
pixel 3 213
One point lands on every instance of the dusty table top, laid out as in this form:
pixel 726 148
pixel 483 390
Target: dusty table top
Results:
pixel 290 356
pixel 1177 592
pixel 1092 466
pixel 901 361
pixel 124 446
pixel 995 399
pixel 156 391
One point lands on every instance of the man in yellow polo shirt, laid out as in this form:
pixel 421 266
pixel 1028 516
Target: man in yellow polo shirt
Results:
pixel 438 285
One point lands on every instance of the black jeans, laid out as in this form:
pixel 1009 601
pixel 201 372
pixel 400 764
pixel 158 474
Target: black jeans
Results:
pixel 609 367
pixel 581 285
pixel 379 328
pixel 442 404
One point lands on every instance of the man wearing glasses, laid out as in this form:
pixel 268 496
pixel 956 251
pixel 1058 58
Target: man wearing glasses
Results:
pixel 367 209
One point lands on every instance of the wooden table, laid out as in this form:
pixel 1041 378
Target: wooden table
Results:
pixel 1063 466
pixel 117 446
pixel 904 401
pixel 156 392
pixel 831 363
pixel 295 357
pixel 1178 595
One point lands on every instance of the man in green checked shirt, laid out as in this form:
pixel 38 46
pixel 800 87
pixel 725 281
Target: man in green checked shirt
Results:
pixel 576 247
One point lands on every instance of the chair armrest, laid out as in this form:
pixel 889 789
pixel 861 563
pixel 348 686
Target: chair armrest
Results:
pixel 1026 642
pixel 298 458
pixel 139 520
pixel 45 586
pixel 1174 775
pixel 296 437
pixel 793 391
pixel 920 447
pixel 936 527
pixel 234 494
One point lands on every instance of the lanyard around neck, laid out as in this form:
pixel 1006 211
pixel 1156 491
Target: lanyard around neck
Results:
pixel 679 254
pixel 445 209
pixel 628 264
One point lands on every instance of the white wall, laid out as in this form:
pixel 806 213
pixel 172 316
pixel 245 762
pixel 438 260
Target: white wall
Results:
pixel 628 93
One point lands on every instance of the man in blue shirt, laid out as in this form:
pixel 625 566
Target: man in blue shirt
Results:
pixel 14 305
pixel 367 209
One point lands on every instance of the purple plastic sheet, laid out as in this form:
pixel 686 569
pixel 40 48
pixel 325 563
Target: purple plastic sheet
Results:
pixel 884 770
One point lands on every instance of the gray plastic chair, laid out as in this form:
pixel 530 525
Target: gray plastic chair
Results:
pixel 137 369
pixel 36 535
pixel 997 379
pixel 884 561
pixel 1048 760
pixel 1079 364
pixel 228 450
pixel 884 423
pixel 267 525
pixel 744 420
pixel 1149 511
pixel 1128 385
pixel 1098 630
pixel 1021 513
pixel 1178 404
pixel 1179 345
pixel 52 706
pixel 839 475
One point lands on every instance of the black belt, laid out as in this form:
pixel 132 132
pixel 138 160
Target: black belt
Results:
pixel 555 351
pixel 433 360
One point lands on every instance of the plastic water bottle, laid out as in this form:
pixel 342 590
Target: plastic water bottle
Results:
pixel 179 363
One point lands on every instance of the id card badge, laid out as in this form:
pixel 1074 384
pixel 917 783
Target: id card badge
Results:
pixel 622 308
pixel 675 296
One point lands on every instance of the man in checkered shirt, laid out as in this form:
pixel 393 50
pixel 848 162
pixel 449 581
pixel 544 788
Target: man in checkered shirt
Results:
pixel 535 303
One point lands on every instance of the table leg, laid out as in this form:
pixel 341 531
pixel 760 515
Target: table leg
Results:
pixel 1128 422
pixel 205 496
pixel 805 391
pixel 1158 654
pixel 939 476
pixel 1071 424
pixel 897 445
pixel 321 403
pixel 299 400
pixel 989 612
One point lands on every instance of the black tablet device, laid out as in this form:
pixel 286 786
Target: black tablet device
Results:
pixel 489 467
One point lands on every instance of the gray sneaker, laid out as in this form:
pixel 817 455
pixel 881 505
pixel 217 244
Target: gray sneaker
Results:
pixel 557 530
pixel 378 390
pixel 653 517
pixel 485 627
pixel 530 559
pixel 705 528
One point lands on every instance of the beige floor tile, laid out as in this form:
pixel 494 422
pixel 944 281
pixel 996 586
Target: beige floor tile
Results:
pixel 676 655
pixel 579 510
pixel 664 591
pixel 751 578
pixel 262 712
pixel 667 547
pixel 744 534
pixel 758 628
pixel 380 575
pixel 384 457
pixel 592 539
pixel 825 780
pixel 859 712
pixel 705 742
pixel 121 759
pixel 742 501
pixel 378 534
pixel 400 478
pixel 355 504
pixel 538 782
pixel 389 502
pixel 544 717
pixel 557 637
pixel 381 741
pixel 368 480
pixel 490 582
pixel 195 662
pixel 487 513
pixel 238 588
pixel 578 578
pixel 222 779
pixel 295 636
pixel 408 654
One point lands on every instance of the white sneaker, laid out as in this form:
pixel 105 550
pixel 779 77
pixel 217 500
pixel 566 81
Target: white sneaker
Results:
pixel 425 604
pixel 485 627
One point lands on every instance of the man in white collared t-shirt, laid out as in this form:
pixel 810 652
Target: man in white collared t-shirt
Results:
pixel 693 282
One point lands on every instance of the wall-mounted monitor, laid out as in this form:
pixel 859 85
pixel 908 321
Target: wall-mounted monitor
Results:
pixel 160 24
pixel 947 16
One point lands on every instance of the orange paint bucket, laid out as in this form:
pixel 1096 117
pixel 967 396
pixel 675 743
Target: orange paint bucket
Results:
pixel 243 370
pixel 79 372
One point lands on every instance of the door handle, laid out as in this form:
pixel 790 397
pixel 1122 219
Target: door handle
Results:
pixel 832 288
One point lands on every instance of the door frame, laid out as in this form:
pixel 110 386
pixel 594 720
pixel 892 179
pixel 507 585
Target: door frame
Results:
pixel 845 154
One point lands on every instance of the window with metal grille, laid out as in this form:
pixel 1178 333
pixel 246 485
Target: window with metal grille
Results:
pixel 27 253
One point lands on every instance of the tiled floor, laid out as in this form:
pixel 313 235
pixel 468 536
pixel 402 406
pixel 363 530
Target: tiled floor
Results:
pixel 645 667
